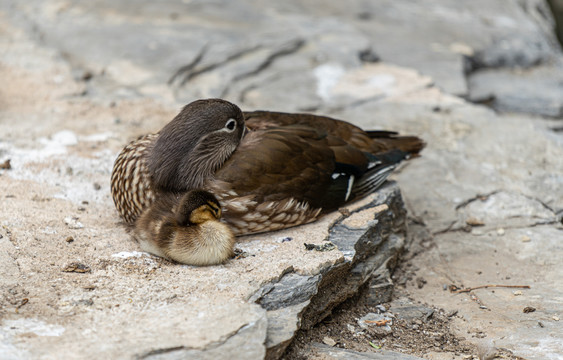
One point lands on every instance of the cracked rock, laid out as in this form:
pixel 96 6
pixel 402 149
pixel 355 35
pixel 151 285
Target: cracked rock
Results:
pixel 508 209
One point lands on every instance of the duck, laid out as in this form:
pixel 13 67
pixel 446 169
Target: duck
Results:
pixel 186 229
pixel 269 170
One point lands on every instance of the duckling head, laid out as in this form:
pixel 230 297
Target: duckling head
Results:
pixel 197 207
pixel 195 144
pixel 188 231
pixel 199 238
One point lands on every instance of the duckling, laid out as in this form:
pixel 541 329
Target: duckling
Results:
pixel 270 170
pixel 186 229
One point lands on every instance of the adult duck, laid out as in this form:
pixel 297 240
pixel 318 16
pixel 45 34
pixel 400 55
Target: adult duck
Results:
pixel 269 170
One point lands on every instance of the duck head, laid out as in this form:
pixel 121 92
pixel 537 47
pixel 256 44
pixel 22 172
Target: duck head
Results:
pixel 195 144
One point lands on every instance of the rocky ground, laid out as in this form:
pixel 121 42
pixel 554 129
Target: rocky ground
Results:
pixel 480 81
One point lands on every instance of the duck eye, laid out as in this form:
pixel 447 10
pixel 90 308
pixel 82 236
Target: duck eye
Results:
pixel 231 124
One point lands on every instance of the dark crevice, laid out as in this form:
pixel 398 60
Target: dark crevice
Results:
pixel 447 229
pixel 368 56
pixel 484 197
pixel 556 8
pixel 467 228
pixel 190 71
pixel 288 49
pixel 187 68
pixel 160 352
pixel 481 197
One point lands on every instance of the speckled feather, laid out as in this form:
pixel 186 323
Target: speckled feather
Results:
pixel 130 180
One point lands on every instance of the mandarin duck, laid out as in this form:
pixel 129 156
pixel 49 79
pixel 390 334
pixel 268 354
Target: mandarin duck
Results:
pixel 185 228
pixel 270 170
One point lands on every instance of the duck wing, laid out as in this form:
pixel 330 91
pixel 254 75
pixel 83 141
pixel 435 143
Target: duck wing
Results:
pixel 374 142
pixel 287 175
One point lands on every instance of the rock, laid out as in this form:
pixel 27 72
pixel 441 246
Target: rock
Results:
pixel 252 68
pixel 300 301
pixel 324 352
pixel 508 209
pixel 6 165
pixel 380 292
pixel 329 341
pixel 250 307
pixel 291 289
pixel 525 51
pixel 411 313
pixel 73 223
pixel 534 91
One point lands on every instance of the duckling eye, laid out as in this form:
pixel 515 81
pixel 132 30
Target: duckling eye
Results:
pixel 214 208
pixel 231 125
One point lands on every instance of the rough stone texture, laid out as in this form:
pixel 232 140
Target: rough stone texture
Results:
pixel 537 90
pixel 83 78
pixel 176 50
pixel 299 301
pixel 503 171
pixel 324 352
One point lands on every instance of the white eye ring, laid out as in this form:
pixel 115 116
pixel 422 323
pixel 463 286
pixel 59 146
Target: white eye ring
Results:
pixel 231 125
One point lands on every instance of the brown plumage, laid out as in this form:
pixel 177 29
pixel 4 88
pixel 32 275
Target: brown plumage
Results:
pixel 185 229
pixel 269 170
pixel 130 180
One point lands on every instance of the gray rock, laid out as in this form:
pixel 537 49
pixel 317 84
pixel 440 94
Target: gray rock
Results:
pixel 506 209
pixel 380 290
pixel 367 258
pixel 335 353
pixel 519 52
pixel 287 70
pixel 300 301
pixel 410 313
pixel 537 90
pixel 291 289
pixel 245 343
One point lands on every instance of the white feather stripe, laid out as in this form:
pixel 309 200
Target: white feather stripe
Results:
pixel 349 188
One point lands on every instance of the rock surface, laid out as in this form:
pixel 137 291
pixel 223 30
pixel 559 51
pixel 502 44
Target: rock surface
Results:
pixel 84 78
pixel 323 352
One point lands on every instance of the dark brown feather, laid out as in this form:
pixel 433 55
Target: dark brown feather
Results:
pixel 369 141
